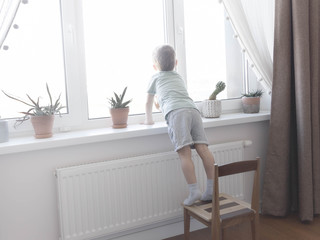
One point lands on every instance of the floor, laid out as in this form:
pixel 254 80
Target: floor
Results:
pixel 271 228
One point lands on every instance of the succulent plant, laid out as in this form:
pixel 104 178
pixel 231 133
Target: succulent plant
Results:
pixel 257 93
pixel 117 101
pixel 36 109
pixel 219 88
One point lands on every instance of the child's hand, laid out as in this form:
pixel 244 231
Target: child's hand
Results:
pixel 156 103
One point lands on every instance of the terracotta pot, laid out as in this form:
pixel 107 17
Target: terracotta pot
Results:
pixel 211 108
pixel 251 104
pixel 42 126
pixel 119 117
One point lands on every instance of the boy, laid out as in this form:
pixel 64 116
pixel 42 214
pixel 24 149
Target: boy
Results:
pixel 183 119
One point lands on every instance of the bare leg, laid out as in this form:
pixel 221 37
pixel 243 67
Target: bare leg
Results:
pixel 207 159
pixel 187 165
pixel 208 163
pixel 189 174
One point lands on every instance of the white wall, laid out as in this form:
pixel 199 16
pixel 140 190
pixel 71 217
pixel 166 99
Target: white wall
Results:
pixel 28 200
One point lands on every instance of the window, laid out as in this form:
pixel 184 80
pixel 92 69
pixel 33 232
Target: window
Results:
pixel 205 47
pixel 89 49
pixel 118 45
pixel 211 51
pixel 34 56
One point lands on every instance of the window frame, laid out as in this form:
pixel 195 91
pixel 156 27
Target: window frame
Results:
pixel 75 73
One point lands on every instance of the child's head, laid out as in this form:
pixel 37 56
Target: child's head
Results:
pixel 164 58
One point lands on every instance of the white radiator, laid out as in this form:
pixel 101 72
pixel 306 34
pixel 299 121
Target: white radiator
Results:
pixel 106 198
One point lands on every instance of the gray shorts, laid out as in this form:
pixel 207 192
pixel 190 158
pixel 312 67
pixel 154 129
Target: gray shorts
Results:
pixel 185 128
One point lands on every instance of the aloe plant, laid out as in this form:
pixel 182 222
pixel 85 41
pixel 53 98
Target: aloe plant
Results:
pixel 117 100
pixel 220 86
pixel 35 108
pixel 257 93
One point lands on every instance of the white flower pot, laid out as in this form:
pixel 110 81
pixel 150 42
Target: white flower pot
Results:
pixel 211 108
pixel 4 131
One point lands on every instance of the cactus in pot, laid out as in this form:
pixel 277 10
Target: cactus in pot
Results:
pixel 219 88
pixel 211 107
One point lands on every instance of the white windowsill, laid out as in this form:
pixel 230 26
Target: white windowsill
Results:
pixel 25 144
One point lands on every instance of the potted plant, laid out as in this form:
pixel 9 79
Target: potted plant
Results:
pixel 42 117
pixel 251 101
pixel 211 107
pixel 119 110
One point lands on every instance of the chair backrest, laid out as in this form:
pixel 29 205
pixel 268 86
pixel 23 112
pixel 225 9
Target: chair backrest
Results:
pixel 230 169
pixel 238 167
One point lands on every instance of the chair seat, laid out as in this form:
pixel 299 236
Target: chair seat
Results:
pixel 226 211
pixel 231 209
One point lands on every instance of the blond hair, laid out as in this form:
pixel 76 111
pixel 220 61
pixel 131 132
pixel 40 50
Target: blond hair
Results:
pixel 164 57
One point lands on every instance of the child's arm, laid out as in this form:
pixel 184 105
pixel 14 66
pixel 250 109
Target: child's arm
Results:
pixel 149 120
pixel 156 103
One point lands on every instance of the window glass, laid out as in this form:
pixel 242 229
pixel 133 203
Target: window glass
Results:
pixel 206 40
pixel 34 57
pixel 119 39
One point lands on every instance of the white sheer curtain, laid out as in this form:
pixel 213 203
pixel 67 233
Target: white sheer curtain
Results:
pixel 253 22
pixel 8 10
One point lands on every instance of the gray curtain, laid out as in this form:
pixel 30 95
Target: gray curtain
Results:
pixel 292 170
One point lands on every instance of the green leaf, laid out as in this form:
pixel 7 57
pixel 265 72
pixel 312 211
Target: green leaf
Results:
pixel 118 101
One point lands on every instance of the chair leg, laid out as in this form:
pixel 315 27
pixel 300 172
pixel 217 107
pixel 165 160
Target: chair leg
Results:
pixel 255 228
pixel 216 230
pixel 186 224
pixel 216 235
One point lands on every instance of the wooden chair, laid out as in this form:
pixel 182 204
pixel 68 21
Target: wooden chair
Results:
pixel 225 211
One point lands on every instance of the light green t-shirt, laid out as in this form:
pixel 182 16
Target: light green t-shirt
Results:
pixel 171 91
